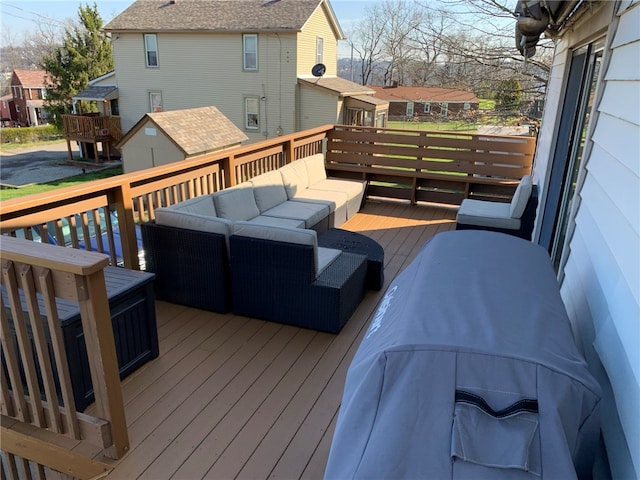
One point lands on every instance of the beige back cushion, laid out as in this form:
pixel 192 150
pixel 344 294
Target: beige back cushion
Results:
pixel 192 221
pixel 236 203
pixel 202 205
pixel 315 168
pixel 521 196
pixel 268 190
pixel 294 177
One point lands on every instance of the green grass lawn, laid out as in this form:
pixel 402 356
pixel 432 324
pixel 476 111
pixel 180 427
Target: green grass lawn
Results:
pixel 8 193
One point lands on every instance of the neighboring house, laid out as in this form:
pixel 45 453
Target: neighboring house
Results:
pixel 587 166
pixel 252 59
pixel 164 137
pixel 28 88
pixel 427 103
pixel 103 91
pixel 8 114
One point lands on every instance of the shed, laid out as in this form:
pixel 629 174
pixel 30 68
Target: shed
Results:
pixel 159 138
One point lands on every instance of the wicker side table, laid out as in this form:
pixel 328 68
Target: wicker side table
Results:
pixel 354 242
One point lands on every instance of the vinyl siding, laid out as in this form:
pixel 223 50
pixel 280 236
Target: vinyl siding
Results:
pixel 317 26
pixel 318 107
pixel 601 281
pixel 198 69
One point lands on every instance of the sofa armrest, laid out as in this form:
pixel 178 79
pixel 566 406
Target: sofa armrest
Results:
pixel 191 267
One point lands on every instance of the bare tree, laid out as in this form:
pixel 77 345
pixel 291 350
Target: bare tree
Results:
pixel 466 44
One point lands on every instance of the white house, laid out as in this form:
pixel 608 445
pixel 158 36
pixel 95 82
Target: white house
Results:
pixel 587 164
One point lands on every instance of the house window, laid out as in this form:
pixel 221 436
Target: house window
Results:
pixel 155 101
pixel 252 113
pixel 444 109
pixel 427 108
pixel 409 109
pixel 319 50
pixel 466 106
pixel 250 51
pixel 151 49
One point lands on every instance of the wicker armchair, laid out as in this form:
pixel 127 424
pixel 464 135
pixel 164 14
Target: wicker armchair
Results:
pixel 278 280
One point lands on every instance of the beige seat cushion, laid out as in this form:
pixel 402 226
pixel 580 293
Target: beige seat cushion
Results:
pixel 487 214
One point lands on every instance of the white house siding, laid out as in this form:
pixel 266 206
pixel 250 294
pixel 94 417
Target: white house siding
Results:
pixel 198 69
pixel 601 279
pixel 318 106
pixel 317 26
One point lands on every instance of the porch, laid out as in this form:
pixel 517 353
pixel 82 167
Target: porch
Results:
pixel 237 397
pixel 91 129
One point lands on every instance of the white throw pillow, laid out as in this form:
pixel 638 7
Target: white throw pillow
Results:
pixel 236 203
pixel 521 196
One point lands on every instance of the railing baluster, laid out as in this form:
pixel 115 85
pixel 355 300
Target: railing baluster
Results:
pixel 42 351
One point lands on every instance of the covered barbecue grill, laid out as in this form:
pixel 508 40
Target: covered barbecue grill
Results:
pixel 469 370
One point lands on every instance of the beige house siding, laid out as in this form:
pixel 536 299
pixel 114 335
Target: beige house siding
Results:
pixel 318 107
pixel 317 26
pixel 198 69
pixel 145 150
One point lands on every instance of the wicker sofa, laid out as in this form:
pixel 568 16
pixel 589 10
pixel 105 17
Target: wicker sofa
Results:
pixel 188 244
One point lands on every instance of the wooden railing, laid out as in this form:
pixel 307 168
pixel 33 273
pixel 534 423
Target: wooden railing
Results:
pixel 37 398
pixel 414 165
pixel 440 167
pixel 89 128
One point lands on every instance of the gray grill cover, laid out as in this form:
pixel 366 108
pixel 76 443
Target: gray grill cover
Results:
pixel 481 313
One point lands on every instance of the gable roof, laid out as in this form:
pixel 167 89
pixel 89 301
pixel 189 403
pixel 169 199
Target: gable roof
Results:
pixel 424 94
pixel 341 86
pixel 194 130
pixel 29 78
pixel 97 93
pixel 216 15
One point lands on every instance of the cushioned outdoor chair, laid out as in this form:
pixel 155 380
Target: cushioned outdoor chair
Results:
pixel 515 218
pixel 280 274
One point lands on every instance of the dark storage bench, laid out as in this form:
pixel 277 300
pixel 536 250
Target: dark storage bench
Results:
pixel 133 315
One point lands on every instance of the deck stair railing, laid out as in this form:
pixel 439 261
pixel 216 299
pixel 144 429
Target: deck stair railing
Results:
pixel 40 425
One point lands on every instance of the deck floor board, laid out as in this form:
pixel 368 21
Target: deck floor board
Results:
pixel 234 397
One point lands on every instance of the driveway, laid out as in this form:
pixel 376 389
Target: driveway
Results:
pixel 44 163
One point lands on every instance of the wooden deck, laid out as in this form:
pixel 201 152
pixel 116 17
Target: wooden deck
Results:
pixel 235 397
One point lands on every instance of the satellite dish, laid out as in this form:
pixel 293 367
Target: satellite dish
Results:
pixel 318 70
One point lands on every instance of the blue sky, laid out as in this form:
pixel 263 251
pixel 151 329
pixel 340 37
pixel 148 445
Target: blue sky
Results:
pixel 23 16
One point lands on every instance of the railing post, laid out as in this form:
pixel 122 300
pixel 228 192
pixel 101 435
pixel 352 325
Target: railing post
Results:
pixel 103 363
pixel 127 226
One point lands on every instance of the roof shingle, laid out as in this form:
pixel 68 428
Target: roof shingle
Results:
pixel 220 15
